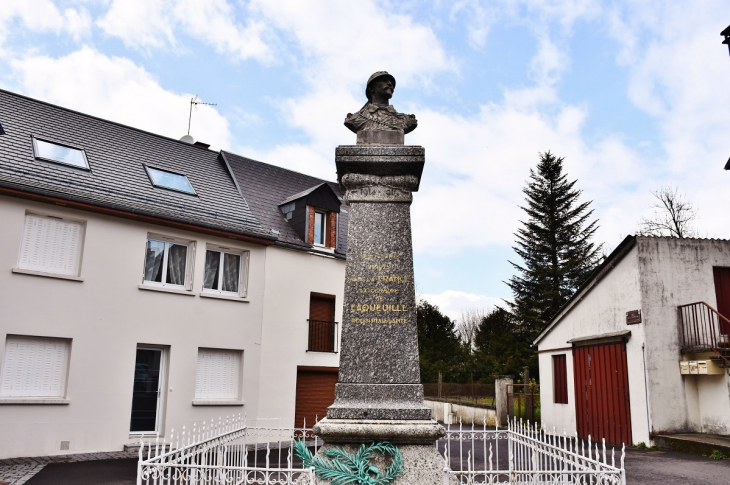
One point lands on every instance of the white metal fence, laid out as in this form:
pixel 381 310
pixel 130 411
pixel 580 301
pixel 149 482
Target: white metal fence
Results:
pixel 229 452
pixel 523 454
pixel 226 452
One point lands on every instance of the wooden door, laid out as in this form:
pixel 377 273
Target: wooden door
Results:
pixel 315 393
pixel 602 393
pixel 722 292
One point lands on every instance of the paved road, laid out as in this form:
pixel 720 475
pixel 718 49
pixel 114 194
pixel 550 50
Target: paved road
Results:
pixel 674 468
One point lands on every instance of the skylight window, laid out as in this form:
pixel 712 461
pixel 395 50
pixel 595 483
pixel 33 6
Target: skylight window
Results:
pixel 59 153
pixel 169 180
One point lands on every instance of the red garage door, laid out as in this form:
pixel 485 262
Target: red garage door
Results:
pixel 315 393
pixel 602 393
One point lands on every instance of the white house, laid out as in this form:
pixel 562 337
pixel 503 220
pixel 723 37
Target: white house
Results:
pixel 641 349
pixel 150 283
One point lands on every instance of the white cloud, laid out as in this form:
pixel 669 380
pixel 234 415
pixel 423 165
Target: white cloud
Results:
pixel 154 23
pixel 116 89
pixel 452 303
pixel 44 16
pixel 139 23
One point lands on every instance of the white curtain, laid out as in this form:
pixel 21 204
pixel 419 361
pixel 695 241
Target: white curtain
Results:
pixel 153 261
pixel 176 259
pixel 231 264
pixel 212 266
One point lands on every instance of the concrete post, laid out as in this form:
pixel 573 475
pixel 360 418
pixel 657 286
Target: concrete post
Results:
pixel 500 398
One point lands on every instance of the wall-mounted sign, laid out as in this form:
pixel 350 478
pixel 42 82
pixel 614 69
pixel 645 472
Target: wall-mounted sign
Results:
pixel 633 317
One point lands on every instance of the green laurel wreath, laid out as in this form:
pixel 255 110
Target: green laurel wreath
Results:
pixel 344 467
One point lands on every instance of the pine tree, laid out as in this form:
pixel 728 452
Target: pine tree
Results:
pixel 554 244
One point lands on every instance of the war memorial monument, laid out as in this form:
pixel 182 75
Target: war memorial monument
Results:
pixel 379 396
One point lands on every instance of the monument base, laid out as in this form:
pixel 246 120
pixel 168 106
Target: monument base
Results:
pixel 423 465
pixel 397 432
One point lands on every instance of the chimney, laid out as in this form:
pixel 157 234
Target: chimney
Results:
pixel 201 144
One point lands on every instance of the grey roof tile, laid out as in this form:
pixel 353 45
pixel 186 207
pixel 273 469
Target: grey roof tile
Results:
pixel 265 187
pixel 117 178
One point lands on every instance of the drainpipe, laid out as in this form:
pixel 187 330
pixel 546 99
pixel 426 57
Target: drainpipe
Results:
pixel 646 391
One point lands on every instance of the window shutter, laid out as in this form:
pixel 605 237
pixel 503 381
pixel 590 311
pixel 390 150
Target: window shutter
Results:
pixel 51 245
pixel 560 379
pixel 218 374
pixel 190 267
pixel 243 275
pixel 34 367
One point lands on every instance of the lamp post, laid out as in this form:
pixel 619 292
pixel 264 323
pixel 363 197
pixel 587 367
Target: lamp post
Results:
pixel 726 33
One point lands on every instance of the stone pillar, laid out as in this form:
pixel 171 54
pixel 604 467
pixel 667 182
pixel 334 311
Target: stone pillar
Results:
pixel 379 396
pixel 500 398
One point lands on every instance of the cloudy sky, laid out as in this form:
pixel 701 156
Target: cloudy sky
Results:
pixel 634 95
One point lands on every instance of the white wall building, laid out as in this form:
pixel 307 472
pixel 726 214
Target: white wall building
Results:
pixel 615 361
pixel 150 284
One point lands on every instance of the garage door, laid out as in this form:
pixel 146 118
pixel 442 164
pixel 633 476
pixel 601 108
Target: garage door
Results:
pixel 315 393
pixel 602 392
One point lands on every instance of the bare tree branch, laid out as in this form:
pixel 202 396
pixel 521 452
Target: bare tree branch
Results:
pixel 673 215
pixel 468 324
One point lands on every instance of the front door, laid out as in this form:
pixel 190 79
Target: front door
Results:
pixel 148 385
pixel 601 380
pixel 722 292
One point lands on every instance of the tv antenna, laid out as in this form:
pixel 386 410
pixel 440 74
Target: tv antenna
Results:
pixel 195 102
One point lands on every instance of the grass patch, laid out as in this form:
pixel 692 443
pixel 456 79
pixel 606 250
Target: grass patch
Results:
pixel 717 455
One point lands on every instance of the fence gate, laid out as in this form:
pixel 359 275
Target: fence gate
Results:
pixel 602 392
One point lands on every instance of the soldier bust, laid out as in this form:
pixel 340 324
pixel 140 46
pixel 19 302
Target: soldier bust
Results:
pixel 378 122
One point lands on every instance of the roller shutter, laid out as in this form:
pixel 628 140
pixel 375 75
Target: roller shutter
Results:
pixel 315 393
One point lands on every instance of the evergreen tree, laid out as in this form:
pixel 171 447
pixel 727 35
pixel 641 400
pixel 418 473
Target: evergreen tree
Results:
pixel 439 347
pixel 554 244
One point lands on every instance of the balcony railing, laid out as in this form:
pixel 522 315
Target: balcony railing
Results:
pixel 322 336
pixel 704 329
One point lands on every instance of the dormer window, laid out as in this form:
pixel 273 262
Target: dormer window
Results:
pixel 169 180
pixel 312 214
pixel 54 152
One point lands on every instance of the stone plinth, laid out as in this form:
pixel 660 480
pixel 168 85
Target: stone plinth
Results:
pixel 379 396
pixel 379 375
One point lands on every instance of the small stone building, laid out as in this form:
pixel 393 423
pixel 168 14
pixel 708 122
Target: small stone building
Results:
pixel 641 349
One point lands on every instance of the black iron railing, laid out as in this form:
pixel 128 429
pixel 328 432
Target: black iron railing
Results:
pixel 322 336
pixel 704 329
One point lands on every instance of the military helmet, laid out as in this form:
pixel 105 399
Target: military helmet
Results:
pixel 376 76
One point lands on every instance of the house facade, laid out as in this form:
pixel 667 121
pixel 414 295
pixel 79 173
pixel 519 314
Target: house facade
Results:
pixel 150 284
pixel 641 349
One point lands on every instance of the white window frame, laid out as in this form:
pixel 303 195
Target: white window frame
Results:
pixel 7 396
pixel 189 262
pixel 36 152
pixel 242 272
pixel 206 400
pixel 325 214
pixel 75 275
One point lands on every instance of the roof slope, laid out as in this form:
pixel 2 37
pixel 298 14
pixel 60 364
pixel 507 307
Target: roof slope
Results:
pixel 116 156
pixel 266 186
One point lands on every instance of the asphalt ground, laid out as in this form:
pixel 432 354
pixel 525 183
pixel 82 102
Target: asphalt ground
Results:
pixel 642 467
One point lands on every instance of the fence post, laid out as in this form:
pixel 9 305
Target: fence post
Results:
pixel 501 402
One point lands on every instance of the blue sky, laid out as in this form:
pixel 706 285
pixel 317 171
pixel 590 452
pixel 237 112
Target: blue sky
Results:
pixel 635 97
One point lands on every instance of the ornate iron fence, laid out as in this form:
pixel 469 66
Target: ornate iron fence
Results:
pixel 229 452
